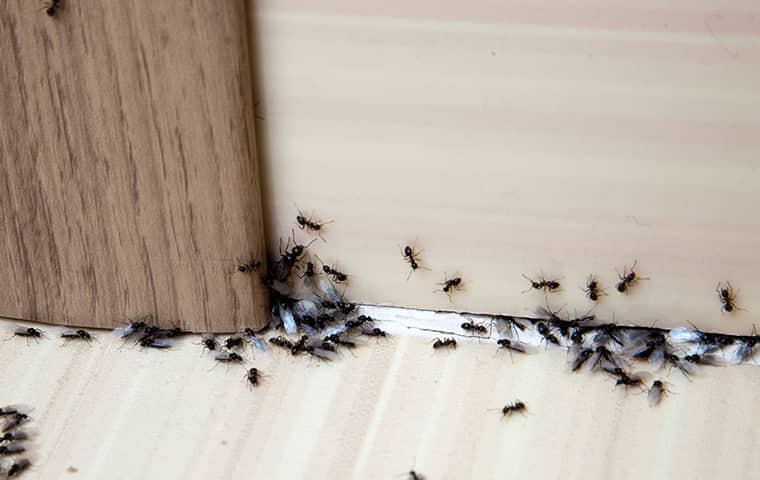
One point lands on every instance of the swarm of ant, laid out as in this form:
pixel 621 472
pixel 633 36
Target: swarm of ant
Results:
pixel 13 440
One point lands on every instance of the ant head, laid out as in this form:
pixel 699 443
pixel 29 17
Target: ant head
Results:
pixel 301 220
pixel 326 268
pixel 83 333
pixel 407 251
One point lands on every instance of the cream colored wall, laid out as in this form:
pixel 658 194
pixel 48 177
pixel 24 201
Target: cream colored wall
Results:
pixel 511 137
pixel 126 414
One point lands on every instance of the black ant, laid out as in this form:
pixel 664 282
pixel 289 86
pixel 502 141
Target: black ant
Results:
pixel 12 449
pixel 545 332
pixel 542 284
pixel 51 7
pixel 252 376
pixel 309 271
pixel 300 345
pixel 515 407
pixel 445 342
pixel 28 332
pixel 16 436
pixel 373 331
pixel 511 345
pixel 289 258
pixel 627 280
pixel 311 224
pixel 281 342
pixel 471 326
pixel 727 297
pixel 412 256
pixel 233 341
pixel 70 335
pixel 450 285
pixel 249 267
pixel 415 476
pixel 158 343
pixel 593 290
pixel 228 357
pixel 18 467
pixel 208 340
pixel 14 421
pixel 579 358
pixel 336 275
pixel 336 339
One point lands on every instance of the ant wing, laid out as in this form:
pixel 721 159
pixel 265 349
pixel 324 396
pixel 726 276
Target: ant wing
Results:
pixel 257 342
pixel 712 360
pixel 123 332
pixel 288 320
pixel 305 307
pixel 335 329
pixel 655 395
pixel 657 358
pixel 308 329
pixel 162 342
pixel 329 291
pixel 743 353
pixel 323 354
pixel 683 335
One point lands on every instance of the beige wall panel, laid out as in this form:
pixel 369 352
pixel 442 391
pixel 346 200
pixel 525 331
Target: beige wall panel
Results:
pixel 513 137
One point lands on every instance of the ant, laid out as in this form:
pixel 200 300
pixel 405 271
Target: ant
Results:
pixel 656 392
pixel 16 436
pixel 300 345
pixel 412 256
pixel 311 224
pixel 471 326
pixel 70 335
pixel 252 376
pixel 515 407
pixel 152 342
pixel 727 297
pixel 289 258
pixel 51 7
pixel 228 357
pixel 580 358
pixel 28 332
pixel 593 290
pixel 281 342
pixel 18 467
pixel 249 267
pixel 511 345
pixel 415 476
pixel 336 275
pixel 14 421
pixel 309 272
pixel 445 342
pixel 233 341
pixel 336 339
pixel 450 285
pixel 625 379
pixel 208 340
pixel 373 331
pixel 545 332
pixel 627 280
pixel 542 284
pixel 12 449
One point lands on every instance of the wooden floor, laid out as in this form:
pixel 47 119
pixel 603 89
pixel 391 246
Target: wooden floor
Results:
pixel 122 413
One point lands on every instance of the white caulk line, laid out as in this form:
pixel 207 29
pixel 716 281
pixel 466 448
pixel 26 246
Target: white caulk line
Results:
pixel 381 405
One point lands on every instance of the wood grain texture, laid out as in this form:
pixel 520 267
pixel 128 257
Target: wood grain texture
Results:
pixel 130 183
pixel 513 137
